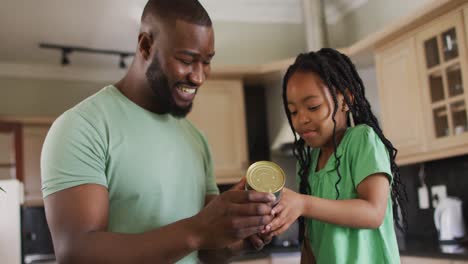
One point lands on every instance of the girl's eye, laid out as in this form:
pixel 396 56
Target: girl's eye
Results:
pixel 293 113
pixel 314 108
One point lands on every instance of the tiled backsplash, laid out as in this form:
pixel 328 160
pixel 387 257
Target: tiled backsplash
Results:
pixel 452 172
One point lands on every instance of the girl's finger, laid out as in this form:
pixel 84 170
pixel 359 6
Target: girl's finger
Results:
pixel 277 209
pixel 276 223
pixel 281 230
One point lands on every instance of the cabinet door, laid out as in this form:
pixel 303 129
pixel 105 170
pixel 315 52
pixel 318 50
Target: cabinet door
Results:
pixel 33 139
pixel 400 98
pixel 418 260
pixel 11 156
pixel 254 261
pixel 465 15
pixel 444 77
pixel 219 112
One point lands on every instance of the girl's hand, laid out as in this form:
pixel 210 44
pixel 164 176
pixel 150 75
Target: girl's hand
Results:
pixel 289 208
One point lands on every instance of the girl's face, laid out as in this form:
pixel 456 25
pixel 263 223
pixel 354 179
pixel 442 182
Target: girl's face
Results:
pixel 311 106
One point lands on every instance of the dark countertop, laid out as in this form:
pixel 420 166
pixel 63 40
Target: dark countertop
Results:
pixel 267 252
pixel 430 248
pixel 416 247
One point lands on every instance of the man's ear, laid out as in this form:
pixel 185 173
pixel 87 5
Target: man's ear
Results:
pixel 145 41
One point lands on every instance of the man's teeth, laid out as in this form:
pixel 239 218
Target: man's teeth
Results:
pixel 188 90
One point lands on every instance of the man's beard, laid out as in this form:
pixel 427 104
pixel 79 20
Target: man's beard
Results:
pixel 162 92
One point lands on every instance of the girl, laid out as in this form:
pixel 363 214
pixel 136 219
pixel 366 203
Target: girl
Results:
pixel 347 172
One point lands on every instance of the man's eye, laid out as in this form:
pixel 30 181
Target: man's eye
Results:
pixel 207 62
pixel 186 62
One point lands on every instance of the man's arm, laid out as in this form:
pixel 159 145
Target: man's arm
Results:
pixel 78 219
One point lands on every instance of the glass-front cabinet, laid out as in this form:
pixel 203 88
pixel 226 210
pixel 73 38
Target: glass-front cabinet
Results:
pixel 444 79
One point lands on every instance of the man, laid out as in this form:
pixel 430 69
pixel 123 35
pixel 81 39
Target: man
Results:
pixel 127 179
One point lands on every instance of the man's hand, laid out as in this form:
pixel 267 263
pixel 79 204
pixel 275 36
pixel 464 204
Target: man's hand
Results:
pixel 258 241
pixel 232 216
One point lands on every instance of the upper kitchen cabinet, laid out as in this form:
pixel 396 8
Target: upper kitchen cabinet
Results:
pixel 219 113
pixel 400 96
pixel 443 72
pixel 11 156
pixel 422 72
pixel 33 139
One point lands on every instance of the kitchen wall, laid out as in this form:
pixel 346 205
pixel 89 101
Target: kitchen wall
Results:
pixel 256 43
pixel 452 172
pixel 370 17
pixel 38 98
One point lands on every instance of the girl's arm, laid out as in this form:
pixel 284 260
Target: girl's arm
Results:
pixel 366 211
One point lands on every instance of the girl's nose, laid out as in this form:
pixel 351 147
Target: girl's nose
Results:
pixel 303 118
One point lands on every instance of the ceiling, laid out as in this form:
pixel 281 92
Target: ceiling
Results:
pixel 113 24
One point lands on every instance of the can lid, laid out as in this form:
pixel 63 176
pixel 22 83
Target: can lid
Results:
pixel 265 176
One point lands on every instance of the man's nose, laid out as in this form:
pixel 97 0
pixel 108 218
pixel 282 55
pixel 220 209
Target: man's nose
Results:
pixel 197 76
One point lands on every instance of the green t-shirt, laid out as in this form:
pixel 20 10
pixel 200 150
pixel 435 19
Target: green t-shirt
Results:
pixel 156 168
pixel 362 154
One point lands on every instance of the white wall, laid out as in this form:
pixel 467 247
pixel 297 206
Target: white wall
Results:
pixel 257 43
pixel 369 78
pixel 368 18
pixel 38 98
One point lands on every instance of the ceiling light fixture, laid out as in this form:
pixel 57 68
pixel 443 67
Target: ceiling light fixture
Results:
pixel 66 50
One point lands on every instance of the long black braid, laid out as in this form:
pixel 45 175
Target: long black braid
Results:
pixel 339 75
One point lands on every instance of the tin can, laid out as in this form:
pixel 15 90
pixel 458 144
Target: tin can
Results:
pixel 266 176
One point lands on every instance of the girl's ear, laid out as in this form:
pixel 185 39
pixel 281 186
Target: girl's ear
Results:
pixel 351 98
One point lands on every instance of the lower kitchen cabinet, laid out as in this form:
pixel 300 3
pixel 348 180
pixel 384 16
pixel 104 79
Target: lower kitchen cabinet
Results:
pixel 254 261
pixel 419 260
pixel 275 258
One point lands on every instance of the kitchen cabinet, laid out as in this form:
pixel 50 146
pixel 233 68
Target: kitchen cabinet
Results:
pixel 443 70
pixel 33 139
pixel 400 96
pixel 423 76
pixel 219 112
pixel 274 258
pixel 419 260
pixel 11 156
pixel 254 261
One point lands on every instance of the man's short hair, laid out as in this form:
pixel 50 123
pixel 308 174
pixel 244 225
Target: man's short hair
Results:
pixel 188 10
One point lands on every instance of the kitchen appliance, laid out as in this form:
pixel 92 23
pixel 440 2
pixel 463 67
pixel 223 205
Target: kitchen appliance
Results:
pixel 36 241
pixel 10 230
pixel 448 219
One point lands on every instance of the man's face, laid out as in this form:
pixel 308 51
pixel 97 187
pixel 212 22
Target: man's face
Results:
pixel 180 66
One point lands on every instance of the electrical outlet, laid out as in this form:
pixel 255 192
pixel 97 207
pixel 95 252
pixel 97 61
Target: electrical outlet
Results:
pixel 438 192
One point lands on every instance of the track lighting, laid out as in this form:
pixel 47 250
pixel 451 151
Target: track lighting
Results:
pixel 66 50
pixel 122 61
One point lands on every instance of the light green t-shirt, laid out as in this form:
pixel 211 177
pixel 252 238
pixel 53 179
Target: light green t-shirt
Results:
pixel 157 168
pixel 362 154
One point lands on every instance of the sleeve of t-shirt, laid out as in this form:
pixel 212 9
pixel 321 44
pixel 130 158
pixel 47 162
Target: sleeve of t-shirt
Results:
pixel 73 154
pixel 211 187
pixel 368 155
